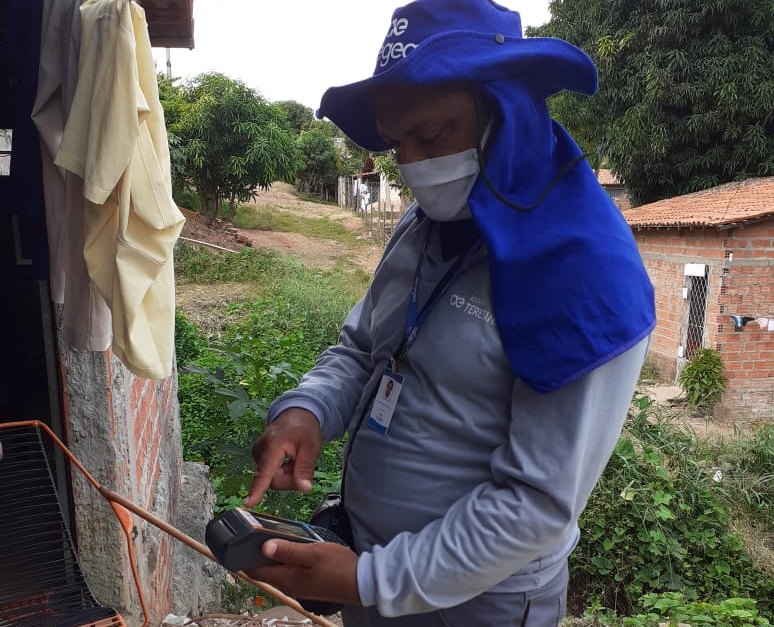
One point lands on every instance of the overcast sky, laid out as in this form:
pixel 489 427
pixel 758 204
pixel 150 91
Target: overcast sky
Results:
pixel 296 49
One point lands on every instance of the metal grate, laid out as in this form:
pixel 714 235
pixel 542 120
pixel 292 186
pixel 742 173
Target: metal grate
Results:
pixel 696 313
pixel 41 583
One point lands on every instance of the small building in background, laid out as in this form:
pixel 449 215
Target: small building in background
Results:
pixel 370 195
pixel 710 256
pixel 614 188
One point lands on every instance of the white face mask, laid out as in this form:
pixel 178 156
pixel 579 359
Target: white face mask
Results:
pixel 442 185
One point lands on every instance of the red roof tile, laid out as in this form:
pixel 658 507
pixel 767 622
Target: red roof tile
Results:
pixel 727 204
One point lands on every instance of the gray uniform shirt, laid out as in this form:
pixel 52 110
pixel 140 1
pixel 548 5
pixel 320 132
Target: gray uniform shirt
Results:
pixel 479 482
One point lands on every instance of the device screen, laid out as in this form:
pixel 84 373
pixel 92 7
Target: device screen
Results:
pixel 287 527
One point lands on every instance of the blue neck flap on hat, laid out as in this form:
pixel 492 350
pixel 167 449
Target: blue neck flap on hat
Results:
pixel 569 288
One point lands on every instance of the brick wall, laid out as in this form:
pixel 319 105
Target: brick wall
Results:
pixel 740 280
pixel 155 450
pixel 748 289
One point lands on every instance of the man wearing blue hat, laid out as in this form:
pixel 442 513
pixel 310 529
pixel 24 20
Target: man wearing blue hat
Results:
pixel 509 318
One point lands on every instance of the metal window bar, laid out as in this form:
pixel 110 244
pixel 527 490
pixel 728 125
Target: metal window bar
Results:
pixel 695 330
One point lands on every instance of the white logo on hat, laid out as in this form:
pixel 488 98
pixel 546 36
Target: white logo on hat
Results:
pixel 398 27
pixel 396 49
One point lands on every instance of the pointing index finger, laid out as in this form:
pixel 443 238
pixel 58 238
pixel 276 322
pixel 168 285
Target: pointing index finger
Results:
pixel 269 462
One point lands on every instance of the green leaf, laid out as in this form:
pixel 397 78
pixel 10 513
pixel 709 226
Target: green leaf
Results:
pixel 664 513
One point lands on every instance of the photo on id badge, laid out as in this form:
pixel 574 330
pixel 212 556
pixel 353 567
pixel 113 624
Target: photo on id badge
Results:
pixel 383 407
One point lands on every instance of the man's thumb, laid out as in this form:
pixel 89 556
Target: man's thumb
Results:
pixel 284 552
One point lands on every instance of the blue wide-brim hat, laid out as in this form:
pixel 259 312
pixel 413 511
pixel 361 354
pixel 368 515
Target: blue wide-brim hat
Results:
pixel 442 41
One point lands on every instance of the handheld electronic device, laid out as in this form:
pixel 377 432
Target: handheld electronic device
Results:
pixel 236 537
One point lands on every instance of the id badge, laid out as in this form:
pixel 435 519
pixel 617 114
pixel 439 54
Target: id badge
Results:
pixel 383 408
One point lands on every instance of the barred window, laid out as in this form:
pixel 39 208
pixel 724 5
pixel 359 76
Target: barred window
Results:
pixel 697 291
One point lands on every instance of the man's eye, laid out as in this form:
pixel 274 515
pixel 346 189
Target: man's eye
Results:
pixel 434 135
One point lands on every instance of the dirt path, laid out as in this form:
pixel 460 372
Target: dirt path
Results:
pixel 205 305
pixel 319 253
pixel 315 252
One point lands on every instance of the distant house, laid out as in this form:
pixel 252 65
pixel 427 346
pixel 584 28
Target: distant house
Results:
pixel 710 256
pixel 371 195
pixel 614 188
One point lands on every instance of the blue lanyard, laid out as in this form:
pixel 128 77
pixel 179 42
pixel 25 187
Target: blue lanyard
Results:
pixel 415 319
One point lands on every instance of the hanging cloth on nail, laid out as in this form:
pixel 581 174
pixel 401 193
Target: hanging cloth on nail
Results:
pixel 115 139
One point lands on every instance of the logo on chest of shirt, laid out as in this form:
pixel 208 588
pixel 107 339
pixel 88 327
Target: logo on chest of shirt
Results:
pixel 473 307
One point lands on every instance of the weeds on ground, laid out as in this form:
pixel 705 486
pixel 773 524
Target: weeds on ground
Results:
pixel 671 609
pixel 269 218
pixel 744 472
pixel 650 374
pixel 259 265
pixel 225 389
pixel 658 522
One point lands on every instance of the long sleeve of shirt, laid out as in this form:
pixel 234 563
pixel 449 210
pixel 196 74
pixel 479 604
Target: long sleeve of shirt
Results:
pixel 524 519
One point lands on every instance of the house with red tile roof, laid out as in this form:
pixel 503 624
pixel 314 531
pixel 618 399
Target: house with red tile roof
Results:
pixel 710 256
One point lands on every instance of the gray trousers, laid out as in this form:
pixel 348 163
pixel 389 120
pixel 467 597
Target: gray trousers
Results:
pixel 543 607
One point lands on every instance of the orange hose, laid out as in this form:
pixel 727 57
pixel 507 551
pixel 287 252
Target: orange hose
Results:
pixel 127 525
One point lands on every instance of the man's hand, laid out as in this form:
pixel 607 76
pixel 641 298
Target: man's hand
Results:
pixel 285 454
pixel 317 571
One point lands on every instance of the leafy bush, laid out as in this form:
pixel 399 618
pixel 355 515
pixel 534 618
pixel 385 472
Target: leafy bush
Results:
pixel 189 343
pixel 187 198
pixel 223 408
pixel 656 523
pixel 673 608
pixel 225 389
pixel 702 378
pixel 202 411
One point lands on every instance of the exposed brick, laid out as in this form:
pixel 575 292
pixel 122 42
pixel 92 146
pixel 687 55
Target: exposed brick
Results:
pixel 737 288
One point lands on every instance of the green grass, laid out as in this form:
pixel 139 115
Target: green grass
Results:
pixel 269 218
pixel 265 268
pixel 746 465
pixel 259 265
pixel 317 199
